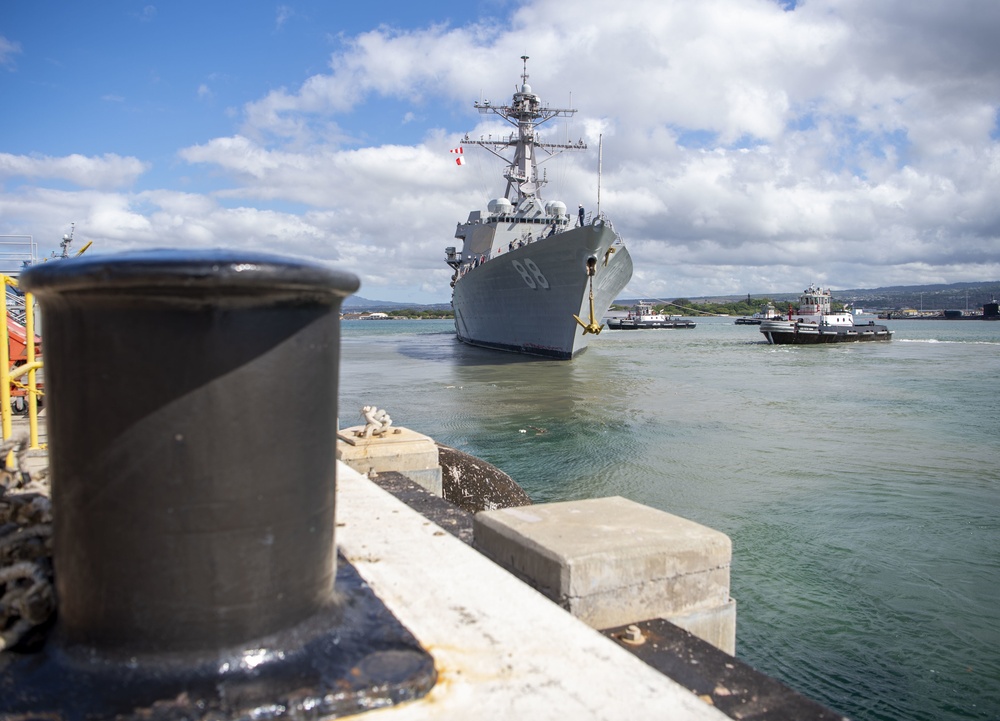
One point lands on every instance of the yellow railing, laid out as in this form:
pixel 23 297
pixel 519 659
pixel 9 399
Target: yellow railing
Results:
pixel 30 368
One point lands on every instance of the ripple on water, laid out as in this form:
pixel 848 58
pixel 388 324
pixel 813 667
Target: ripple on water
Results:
pixel 859 483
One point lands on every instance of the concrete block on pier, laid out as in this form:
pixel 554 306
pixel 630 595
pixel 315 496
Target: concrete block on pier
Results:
pixel 412 454
pixel 611 561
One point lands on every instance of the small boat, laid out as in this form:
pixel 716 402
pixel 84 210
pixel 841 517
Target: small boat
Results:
pixel 642 315
pixel 816 323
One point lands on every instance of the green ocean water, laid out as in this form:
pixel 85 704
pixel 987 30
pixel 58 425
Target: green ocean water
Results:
pixel 860 483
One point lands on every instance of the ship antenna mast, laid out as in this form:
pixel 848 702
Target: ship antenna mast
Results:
pixel 66 240
pixel 525 113
pixel 600 164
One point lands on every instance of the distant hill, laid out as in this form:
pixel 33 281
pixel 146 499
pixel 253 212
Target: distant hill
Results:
pixel 927 297
pixel 356 303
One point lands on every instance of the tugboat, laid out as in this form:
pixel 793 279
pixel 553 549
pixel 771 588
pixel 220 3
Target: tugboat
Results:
pixel 529 277
pixel 769 313
pixel 816 323
pixel 642 315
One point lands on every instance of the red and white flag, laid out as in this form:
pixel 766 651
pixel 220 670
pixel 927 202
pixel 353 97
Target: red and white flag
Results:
pixel 457 150
pixel 459 161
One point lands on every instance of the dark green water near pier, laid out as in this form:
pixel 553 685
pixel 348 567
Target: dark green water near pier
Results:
pixel 860 483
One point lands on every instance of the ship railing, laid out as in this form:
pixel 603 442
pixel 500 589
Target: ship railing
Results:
pixel 16 252
pixel 12 376
pixel 619 240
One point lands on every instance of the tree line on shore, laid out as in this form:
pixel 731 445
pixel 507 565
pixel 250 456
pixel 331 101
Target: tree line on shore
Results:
pixel 426 314
pixel 680 306
pixel 746 306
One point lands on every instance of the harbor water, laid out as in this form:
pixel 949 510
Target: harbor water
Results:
pixel 860 483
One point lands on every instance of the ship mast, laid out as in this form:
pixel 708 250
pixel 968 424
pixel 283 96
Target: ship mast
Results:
pixel 526 112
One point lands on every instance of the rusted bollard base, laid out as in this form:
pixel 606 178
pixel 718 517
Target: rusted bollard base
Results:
pixel 354 657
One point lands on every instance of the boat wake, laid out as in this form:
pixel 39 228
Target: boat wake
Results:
pixel 950 342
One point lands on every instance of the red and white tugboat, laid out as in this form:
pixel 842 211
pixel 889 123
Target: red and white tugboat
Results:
pixel 816 323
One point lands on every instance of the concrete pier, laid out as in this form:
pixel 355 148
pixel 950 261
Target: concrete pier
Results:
pixel 502 649
pixel 608 561
pixel 35 462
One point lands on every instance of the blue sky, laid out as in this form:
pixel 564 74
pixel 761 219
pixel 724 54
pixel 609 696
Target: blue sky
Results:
pixel 749 145
pixel 140 79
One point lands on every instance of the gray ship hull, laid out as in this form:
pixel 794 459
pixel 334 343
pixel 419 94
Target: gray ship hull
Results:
pixel 524 300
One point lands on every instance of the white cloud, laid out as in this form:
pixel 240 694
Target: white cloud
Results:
pixel 283 14
pixel 746 148
pixel 8 49
pixel 107 171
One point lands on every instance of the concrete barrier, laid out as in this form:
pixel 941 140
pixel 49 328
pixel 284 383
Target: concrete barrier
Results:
pixel 611 561
pixel 402 450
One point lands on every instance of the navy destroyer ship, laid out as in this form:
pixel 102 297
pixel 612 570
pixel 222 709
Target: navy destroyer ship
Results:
pixel 531 278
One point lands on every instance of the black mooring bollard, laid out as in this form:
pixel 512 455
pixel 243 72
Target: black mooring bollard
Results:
pixel 192 405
